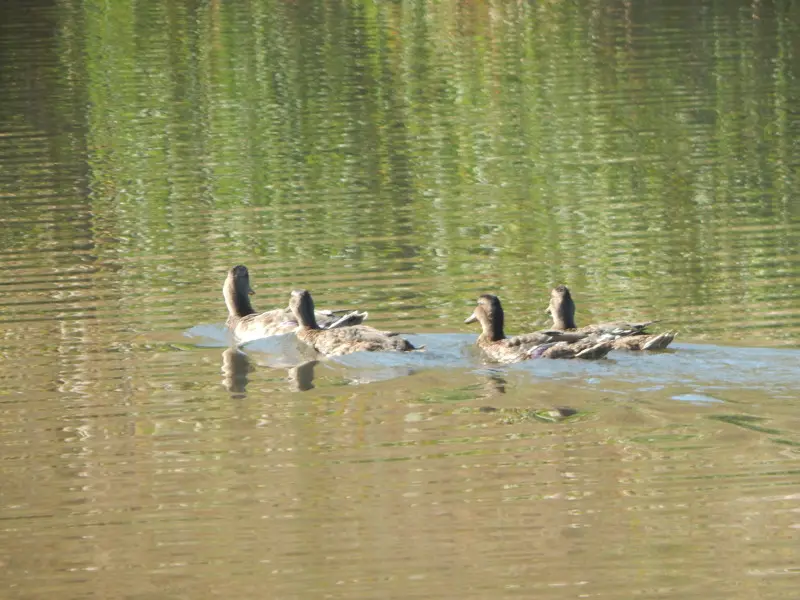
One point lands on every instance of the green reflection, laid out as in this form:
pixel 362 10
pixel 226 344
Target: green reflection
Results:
pixel 644 156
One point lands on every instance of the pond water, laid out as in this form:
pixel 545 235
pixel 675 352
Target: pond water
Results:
pixel 403 158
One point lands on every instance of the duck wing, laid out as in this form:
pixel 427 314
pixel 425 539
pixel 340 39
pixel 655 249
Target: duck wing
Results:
pixel 587 348
pixel 332 320
pixel 345 340
pixel 645 342
pixel 256 326
pixel 617 329
pixel 281 320
pixel 529 339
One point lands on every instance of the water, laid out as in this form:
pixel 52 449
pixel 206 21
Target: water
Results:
pixel 402 158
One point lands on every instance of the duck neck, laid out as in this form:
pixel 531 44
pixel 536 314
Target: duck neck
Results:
pixel 564 314
pixel 237 301
pixel 306 318
pixel 493 328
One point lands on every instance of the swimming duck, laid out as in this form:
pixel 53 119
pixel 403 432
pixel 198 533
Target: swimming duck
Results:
pixel 545 344
pixel 342 339
pixel 624 336
pixel 247 325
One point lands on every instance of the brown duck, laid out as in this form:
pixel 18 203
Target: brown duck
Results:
pixel 342 339
pixel 546 344
pixel 247 325
pixel 624 336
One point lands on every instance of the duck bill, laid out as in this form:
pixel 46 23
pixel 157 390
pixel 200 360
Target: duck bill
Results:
pixel 250 291
pixel 471 319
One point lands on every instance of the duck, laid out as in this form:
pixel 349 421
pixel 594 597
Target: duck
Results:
pixel 341 339
pixel 624 336
pixel 539 344
pixel 247 325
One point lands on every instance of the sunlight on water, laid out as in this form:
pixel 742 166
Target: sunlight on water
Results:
pixel 402 158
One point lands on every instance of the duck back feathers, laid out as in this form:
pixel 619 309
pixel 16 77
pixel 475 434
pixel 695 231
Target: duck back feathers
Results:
pixel 342 339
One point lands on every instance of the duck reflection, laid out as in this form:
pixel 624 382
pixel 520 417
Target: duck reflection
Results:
pixel 235 367
pixel 495 384
pixel 302 376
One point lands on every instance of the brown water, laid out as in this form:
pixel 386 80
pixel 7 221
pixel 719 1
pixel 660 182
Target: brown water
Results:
pixel 401 157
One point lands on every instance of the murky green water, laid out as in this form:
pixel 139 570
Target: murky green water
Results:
pixel 403 157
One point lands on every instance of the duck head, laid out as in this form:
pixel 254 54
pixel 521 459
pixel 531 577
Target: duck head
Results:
pixel 489 313
pixel 562 308
pixel 302 306
pixel 237 292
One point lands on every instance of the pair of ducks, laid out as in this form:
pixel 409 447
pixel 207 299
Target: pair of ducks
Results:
pixel 564 339
pixel 328 332
pixel 335 333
